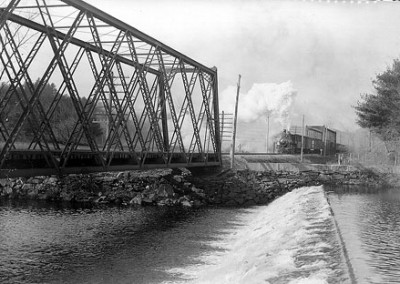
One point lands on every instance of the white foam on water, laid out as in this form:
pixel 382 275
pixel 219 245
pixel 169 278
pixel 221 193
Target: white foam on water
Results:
pixel 291 240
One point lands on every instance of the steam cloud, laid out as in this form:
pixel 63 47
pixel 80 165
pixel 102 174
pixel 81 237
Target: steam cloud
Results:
pixel 261 99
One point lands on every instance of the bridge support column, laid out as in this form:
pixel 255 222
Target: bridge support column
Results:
pixel 163 107
pixel 216 114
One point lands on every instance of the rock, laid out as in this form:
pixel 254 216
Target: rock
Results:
pixel 178 178
pixel 8 190
pixel 43 196
pixel 324 178
pixel 186 203
pixel 101 199
pixel 4 182
pixel 136 200
pixel 52 180
pixel 149 199
pixel 338 177
pixel 66 196
pixel 108 179
pixel 197 203
pixel 27 186
pixel 120 176
pixel 165 190
pixel 32 192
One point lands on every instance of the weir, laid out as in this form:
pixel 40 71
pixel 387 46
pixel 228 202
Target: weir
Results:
pixel 292 240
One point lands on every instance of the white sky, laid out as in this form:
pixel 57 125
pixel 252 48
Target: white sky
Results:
pixel 329 51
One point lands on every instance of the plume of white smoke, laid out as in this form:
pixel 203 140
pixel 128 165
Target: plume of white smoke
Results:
pixel 263 112
pixel 261 99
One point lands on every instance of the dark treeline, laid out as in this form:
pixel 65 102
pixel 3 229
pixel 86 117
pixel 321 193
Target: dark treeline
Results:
pixel 62 120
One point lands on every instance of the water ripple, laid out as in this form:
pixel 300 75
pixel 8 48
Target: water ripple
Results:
pixel 369 221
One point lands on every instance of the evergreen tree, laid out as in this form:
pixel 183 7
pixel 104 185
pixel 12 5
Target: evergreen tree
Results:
pixel 380 112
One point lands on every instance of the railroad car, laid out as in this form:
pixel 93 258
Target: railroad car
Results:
pixel 317 140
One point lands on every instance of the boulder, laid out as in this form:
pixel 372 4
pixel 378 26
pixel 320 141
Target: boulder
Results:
pixel 66 196
pixel 165 190
pixel 149 199
pixel 136 200
pixel 4 182
pixel 32 192
pixel 186 203
pixel 178 178
pixel 8 191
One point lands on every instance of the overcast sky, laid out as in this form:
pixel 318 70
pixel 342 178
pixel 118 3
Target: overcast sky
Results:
pixel 329 52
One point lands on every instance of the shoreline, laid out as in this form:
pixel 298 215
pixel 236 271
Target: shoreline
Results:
pixel 180 187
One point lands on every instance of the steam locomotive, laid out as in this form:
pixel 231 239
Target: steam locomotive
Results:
pixel 317 140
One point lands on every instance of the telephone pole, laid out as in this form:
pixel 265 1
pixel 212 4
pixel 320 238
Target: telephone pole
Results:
pixel 234 125
pixel 302 141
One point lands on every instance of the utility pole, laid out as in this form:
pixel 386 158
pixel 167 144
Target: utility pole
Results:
pixel 325 139
pixel 234 125
pixel 268 113
pixel 302 141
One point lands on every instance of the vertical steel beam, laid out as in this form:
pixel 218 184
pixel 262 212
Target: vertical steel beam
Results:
pixel 163 106
pixel 167 89
pixel 214 79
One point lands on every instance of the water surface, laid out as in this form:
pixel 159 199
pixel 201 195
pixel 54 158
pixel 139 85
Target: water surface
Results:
pixel 369 222
pixel 55 244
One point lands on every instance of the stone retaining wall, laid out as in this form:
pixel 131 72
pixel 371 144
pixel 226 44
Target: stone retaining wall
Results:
pixel 176 187
pixel 250 187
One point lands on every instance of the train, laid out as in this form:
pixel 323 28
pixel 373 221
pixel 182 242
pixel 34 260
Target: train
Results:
pixel 317 140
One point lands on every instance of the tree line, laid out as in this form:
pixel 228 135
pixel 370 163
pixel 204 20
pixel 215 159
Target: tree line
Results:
pixel 379 112
pixel 62 121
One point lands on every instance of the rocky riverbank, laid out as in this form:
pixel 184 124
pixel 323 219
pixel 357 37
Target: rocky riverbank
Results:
pixel 177 187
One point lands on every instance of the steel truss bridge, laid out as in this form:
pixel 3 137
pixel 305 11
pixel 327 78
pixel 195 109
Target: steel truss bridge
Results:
pixel 81 91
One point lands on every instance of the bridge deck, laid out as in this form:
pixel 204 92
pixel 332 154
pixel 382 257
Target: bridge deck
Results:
pixel 33 162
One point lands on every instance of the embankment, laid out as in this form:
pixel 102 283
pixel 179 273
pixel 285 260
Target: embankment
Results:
pixel 180 187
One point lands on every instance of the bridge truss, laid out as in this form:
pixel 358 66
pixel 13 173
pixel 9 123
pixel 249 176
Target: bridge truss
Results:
pixel 80 89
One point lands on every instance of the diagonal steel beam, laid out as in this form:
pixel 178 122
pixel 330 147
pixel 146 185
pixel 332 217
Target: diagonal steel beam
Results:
pixel 109 82
pixel 189 87
pixel 147 99
pixel 167 85
pixel 27 109
pixel 5 13
pixel 112 21
pixel 75 41
pixel 205 112
pixel 28 81
pixel 59 94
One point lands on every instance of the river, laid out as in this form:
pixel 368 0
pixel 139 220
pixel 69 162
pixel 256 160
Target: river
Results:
pixel 369 223
pixel 292 240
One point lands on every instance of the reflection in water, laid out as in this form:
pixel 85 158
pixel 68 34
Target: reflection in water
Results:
pixel 369 221
pixel 42 244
